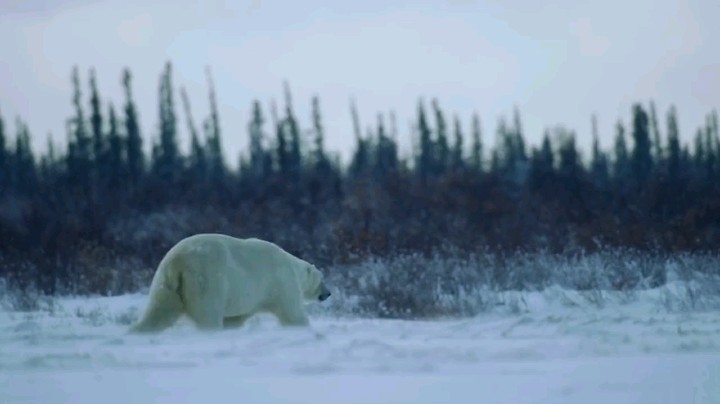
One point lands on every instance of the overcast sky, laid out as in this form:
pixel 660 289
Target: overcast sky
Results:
pixel 559 61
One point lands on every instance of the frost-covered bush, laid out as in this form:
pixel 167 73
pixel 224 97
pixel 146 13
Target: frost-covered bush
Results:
pixel 452 284
pixel 29 298
pixel 445 284
pixel 413 286
pixel 693 282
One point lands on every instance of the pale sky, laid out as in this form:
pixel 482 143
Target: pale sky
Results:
pixel 558 61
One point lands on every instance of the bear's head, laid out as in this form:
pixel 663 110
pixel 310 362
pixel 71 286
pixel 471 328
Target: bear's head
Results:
pixel 314 285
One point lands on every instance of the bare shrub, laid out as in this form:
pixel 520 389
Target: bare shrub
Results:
pixel 13 297
pixel 695 282
pixel 98 270
pixel 450 283
pixel 416 286
pixel 413 286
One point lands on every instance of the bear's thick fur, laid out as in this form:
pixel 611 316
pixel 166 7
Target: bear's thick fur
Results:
pixel 220 281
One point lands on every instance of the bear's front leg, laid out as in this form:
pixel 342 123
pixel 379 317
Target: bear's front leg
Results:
pixel 292 315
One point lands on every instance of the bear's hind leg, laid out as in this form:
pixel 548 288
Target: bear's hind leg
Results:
pixel 204 309
pixel 164 308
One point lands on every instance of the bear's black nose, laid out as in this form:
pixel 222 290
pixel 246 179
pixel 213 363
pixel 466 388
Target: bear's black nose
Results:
pixel 324 296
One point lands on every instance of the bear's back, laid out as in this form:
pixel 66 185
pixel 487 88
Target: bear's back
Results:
pixel 264 253
pixel 250 254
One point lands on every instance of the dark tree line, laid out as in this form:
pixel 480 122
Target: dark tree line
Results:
pixel 101 200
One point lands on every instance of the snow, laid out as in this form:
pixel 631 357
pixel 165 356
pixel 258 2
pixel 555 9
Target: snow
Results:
pixel 554 346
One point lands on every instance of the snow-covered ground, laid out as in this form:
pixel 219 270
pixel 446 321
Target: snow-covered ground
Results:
pixel 545 347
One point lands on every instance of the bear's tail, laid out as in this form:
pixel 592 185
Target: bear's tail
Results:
pixel 165 305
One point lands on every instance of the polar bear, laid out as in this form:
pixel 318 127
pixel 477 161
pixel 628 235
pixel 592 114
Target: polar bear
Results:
pixel 220 281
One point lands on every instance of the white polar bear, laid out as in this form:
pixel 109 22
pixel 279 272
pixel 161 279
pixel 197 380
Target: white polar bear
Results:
pixel 220 281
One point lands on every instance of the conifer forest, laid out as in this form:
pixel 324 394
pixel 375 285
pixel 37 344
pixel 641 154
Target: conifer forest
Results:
pixel 90 215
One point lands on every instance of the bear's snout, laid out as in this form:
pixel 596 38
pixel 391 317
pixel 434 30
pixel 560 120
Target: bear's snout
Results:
pixel 324 296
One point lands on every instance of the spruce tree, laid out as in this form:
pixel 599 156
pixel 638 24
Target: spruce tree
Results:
pixel 133 138
pixel 4 160
pixel 115 153
pixel 508 151
pixel 360 162
pixel 518 137
pixel 541 165
pixel 257 152
pixel 700 152
pixel 427 155
pixel 51 155
pixel 319 152
pixel 386 152
pixel 599 163
pixel 569 165
pixel 546 152
pixel 355 119
pixel 46 168
pixel 457 154
pixel 281 142
pixel 393 126
pixel 166 159
pixel 715 136
pixel 211 164
pixel 96 122
pixel 655 132
pixel 674 152
pixel 710 152
pixel 441 142
pixel 495 163
pixel 80 154
pixel 197 162
pixel 214 142
pixel 641 160
pixel 621 168
pixel 293 133
pixel 714 126
pixel 24 172
pixel 215 156
pixel 189 121
pixel 477 146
